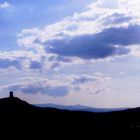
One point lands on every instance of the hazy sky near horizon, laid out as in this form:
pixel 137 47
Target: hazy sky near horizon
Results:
pixel 71 51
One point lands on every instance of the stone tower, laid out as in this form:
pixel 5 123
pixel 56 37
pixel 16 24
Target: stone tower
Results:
pixel 11 95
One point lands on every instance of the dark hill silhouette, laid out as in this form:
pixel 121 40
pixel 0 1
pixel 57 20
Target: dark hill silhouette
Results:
pixel 11 104
pixel 19 114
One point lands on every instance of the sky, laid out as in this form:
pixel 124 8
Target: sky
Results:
pixel 72 52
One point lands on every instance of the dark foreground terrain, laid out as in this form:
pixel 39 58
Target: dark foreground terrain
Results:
pixel 18 116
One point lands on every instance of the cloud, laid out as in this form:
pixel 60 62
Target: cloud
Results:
pixel 58 86
pixel 82 80
pixel 117 18
pixel 7 63
pixel 109 42
pixel 66 53
pixel 60 59
pixel 36 88
pixel 5 5
pixel 98 33
pixel 89 84
pixel 89 22
pixel 24 60
pixel 104 30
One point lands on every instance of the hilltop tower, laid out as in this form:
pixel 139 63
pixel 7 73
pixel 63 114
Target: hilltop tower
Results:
pixel 11 94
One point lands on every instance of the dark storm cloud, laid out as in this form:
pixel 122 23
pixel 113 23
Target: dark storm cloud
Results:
pixel 6 63
pixel 56 91
pixel 96 46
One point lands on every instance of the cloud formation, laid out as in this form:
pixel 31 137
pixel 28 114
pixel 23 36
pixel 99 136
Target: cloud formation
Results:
pixel 61 86
pixel 41 88
pixel 102 31
pixel 7 63
pixel 109 42
pixel 5 5
pixel 67 52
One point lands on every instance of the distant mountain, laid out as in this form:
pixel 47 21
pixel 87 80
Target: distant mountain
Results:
pixel 79 108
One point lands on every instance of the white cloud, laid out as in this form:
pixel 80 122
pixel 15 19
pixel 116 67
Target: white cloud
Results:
pixel 100 15
pixel 34 84
pixel 5 5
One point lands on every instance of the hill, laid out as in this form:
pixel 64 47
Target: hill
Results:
pixel 19 114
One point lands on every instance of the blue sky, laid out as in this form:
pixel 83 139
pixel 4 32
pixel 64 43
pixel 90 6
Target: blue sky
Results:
pixel 28 14
pixel 71 52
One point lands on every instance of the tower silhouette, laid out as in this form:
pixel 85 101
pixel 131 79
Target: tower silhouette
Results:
pixel 11 95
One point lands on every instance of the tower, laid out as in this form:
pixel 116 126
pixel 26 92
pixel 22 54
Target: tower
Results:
pixel 11 95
